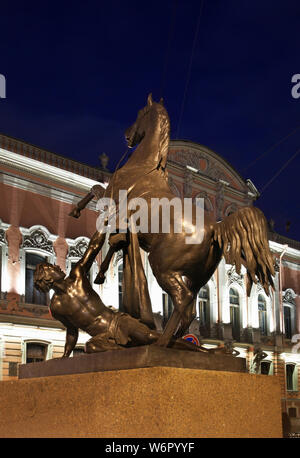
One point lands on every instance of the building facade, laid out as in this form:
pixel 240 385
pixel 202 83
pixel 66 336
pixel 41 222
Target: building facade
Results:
pixel 40 188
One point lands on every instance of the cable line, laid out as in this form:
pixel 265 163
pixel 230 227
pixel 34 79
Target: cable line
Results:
pixel 280 170
pixel 189 69
pixel 270 149
pixel 170 36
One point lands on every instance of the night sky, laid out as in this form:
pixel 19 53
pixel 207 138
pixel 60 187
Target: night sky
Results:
pixel 77 73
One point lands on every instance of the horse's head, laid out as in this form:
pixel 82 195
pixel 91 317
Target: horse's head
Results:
pixel 145 119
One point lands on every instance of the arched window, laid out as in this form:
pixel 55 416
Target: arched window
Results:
pixel 289 312
pixel 234 301
pixel 207 205
pixel 204 311
pixel 37 247
pixel 262 315
pixel 266 368
pixel 35 352
pixel 32 295
pixel 230 209
pixel 291 377
pixel 287 316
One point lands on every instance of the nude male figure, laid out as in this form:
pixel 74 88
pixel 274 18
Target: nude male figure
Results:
pixel 76 304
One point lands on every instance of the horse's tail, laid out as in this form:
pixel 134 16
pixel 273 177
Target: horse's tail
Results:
pixel 242 236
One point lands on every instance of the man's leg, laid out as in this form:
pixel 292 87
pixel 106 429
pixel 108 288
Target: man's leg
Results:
pixel 138 332
pixel 101 343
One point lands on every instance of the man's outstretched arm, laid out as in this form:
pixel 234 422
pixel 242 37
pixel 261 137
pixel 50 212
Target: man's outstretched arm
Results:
pixel 71 335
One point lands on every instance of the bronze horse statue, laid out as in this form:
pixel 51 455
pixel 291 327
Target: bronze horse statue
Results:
pixel 181 269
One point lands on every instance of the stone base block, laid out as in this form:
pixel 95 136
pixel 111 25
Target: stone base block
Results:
pixel 157 402
pixel 132 358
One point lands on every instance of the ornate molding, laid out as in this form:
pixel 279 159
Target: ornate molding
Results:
pixel 234 277
pixel 195 159
pixel 288 296
pixel 78 250
pixel 259 288
pixel 2 236
pixel 38 239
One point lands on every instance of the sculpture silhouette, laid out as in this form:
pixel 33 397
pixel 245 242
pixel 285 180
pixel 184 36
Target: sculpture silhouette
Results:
pixel 180 269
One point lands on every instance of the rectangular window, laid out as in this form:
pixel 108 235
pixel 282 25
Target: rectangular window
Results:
pixel 287 321
pixel 291 377
pixel 32 295
pixel 235 322
pixel 265 367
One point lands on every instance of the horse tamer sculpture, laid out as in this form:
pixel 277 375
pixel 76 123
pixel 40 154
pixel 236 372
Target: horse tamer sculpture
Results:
pixel 180 269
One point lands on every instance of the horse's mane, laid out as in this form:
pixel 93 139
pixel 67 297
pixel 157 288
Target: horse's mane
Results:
pixel 164 123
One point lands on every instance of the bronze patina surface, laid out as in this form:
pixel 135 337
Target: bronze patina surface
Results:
pixel 78 306
pixel 180 269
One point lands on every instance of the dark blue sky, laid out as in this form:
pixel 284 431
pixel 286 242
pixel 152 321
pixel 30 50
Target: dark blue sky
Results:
pixel 77 72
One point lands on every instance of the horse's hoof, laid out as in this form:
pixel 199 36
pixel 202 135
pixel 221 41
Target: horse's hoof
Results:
pixel 75 213
pixel 100 279
pixel 160 343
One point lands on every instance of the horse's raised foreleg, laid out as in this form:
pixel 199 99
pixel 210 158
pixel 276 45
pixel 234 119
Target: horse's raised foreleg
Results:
pixel 181 296
pixel 117 242
pixel 104 266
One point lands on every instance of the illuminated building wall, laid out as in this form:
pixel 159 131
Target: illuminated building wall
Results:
pixel 39 189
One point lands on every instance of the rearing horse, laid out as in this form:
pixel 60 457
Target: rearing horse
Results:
pixel 181 269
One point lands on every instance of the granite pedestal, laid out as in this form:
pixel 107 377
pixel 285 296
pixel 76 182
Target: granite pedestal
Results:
pixel 139 402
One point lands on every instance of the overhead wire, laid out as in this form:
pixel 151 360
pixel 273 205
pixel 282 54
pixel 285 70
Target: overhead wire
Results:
pixel 189 69
pixel 271 149
pixel 280 170
pixel 168 48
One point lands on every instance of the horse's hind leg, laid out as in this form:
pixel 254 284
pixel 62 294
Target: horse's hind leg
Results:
pixel 186 319
pixel 181 296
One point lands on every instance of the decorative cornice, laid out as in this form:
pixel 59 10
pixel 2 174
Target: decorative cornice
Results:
pixel 38 239
pixel 16 161
pixel 207 161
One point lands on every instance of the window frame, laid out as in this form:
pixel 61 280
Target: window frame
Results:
pixel 45 343
pixel 235 310
pixel 265 312
pixel 45 257
pixel 294 377
pixel 203 311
